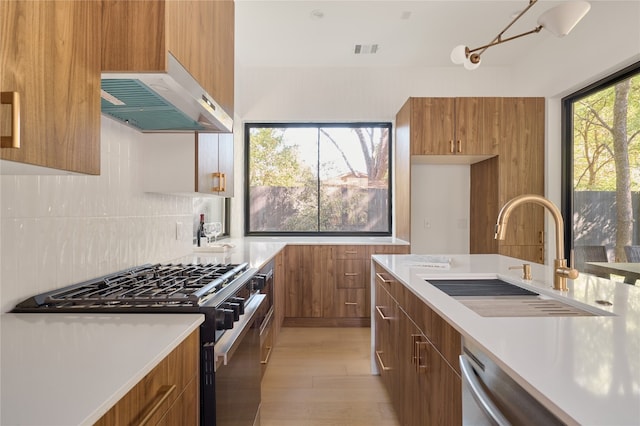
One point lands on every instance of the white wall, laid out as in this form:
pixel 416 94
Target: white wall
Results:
pixel 440 208
pixel 60 230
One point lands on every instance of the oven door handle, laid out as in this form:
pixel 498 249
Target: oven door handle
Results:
pixel 228 343
pixel 479 395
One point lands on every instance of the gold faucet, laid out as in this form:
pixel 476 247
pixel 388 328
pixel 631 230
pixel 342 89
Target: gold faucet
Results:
pixel 561 270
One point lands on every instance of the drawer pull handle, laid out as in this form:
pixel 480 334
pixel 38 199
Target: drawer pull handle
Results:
pixel 419 366
pixel 222 182
pixel 382 315
pixel 165 391
pixel 266 359
pixel 350 303
pixel 459 146
pixel 451 146
pixel 383 279
pixel 384 367
pixel 351 274
pixel 350 252
pixel 13 99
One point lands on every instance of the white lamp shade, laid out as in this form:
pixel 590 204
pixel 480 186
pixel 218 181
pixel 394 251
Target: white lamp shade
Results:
pixel 561 19
pixel 470 65
pixel 459 54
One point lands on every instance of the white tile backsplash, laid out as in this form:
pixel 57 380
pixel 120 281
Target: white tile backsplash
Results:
pixel 61 230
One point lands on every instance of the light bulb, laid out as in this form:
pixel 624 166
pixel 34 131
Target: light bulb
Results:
pixel 470 65
pixel 459 54
pixel 561 19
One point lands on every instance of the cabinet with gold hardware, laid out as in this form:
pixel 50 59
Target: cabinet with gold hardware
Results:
pixel 329 285
pixel 450 126
pixel 200 34
pixel 50 84
pixel 167 395
pixel 416 353
pixel 176 163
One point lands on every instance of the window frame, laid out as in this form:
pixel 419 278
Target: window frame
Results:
pixel 247 133
pixel 567 145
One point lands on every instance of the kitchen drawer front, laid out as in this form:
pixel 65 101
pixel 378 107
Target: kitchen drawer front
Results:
pixel 351 273
pixel 350 252
pixel 348 303
pixel 389 283
pixel 156 393
pixel 182 412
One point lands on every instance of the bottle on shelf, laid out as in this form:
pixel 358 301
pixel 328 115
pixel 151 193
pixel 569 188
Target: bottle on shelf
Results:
pixel 200 235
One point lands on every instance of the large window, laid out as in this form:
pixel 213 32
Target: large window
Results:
pixel 318 179
pixel 602 168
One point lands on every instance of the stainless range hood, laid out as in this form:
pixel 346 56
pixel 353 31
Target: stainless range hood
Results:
pixel 162 102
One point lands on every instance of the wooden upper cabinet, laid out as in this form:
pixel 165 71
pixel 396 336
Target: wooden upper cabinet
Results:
pixel 214 156
pixel 449 126
pixel 49 51
pixel 199 34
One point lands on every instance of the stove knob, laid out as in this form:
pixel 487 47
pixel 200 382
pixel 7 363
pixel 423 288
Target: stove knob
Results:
pixel 258 282
pixel 240 302
pixel 233 307
pixel 224 319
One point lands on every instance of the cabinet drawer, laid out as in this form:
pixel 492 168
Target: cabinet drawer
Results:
pixel 153 396
pixel 350 274
pixel 348 303
pixel 350 252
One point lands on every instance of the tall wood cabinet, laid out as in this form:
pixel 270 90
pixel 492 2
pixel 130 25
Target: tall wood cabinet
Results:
pixel 137 35
pixel 417 355
pixel 503 141
pixel 329 285
pixel 50 56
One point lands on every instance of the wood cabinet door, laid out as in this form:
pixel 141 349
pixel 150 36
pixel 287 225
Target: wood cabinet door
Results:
pixel 432 126
pixel 50 56
pixel 469 127
pixel 307 270
pixel 214 160
pixel 522 167
pixel 413 366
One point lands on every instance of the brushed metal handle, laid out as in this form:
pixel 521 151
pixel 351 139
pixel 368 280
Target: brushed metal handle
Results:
pixel 479 395
pixel 222 182
pixel 350 303
pixel 350 252
pixel 541 237
pixel 383 279
pixel 419 366
pixel 384 367
pixel 382 315
pixel 451 146
pixel 165 391
pixel 414 341
pixel 266 359
pixel 459 146
pixel 13 99
pixel 351 274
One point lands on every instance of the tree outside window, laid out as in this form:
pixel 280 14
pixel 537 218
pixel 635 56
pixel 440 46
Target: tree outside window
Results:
pixel 604 163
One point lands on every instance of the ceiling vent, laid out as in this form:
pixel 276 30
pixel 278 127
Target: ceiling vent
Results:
pixel 365 49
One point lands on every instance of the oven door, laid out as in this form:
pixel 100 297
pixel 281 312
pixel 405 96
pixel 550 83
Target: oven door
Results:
pixel 238 371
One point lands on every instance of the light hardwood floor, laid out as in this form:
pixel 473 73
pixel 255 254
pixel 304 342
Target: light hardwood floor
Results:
pixel 322 377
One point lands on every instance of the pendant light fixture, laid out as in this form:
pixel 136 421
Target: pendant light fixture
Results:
pixel 558 20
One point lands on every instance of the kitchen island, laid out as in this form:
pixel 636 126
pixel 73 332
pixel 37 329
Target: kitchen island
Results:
pixel 585 370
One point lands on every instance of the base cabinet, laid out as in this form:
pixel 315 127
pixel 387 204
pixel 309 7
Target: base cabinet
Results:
pixel 329 285
pixel 416 352
pixel 168 395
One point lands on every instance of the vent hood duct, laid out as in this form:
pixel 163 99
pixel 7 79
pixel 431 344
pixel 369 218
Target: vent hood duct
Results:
pixel 162 102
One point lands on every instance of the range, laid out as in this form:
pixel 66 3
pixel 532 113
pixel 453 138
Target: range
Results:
pixel 228 295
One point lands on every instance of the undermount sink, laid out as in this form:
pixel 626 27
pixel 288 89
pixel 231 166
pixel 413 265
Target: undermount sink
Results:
pixel 493 297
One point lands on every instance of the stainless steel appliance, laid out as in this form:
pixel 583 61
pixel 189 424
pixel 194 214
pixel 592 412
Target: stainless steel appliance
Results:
pixel 226 294
pixel 491 397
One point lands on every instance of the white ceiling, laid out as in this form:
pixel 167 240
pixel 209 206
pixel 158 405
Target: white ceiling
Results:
pixel 287 34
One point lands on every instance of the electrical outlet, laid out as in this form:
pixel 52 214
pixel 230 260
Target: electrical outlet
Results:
pixel 427 223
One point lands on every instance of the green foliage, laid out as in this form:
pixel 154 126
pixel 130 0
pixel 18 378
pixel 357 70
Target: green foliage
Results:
pixel 594 164
pixel 272 163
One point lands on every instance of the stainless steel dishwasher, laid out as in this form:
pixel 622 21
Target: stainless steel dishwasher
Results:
pixel 491 397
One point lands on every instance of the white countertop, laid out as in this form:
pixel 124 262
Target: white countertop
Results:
pixel 60 369
pixel 584 369
pixel 258 250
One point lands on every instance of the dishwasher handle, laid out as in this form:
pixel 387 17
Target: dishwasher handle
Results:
pixel 479 395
